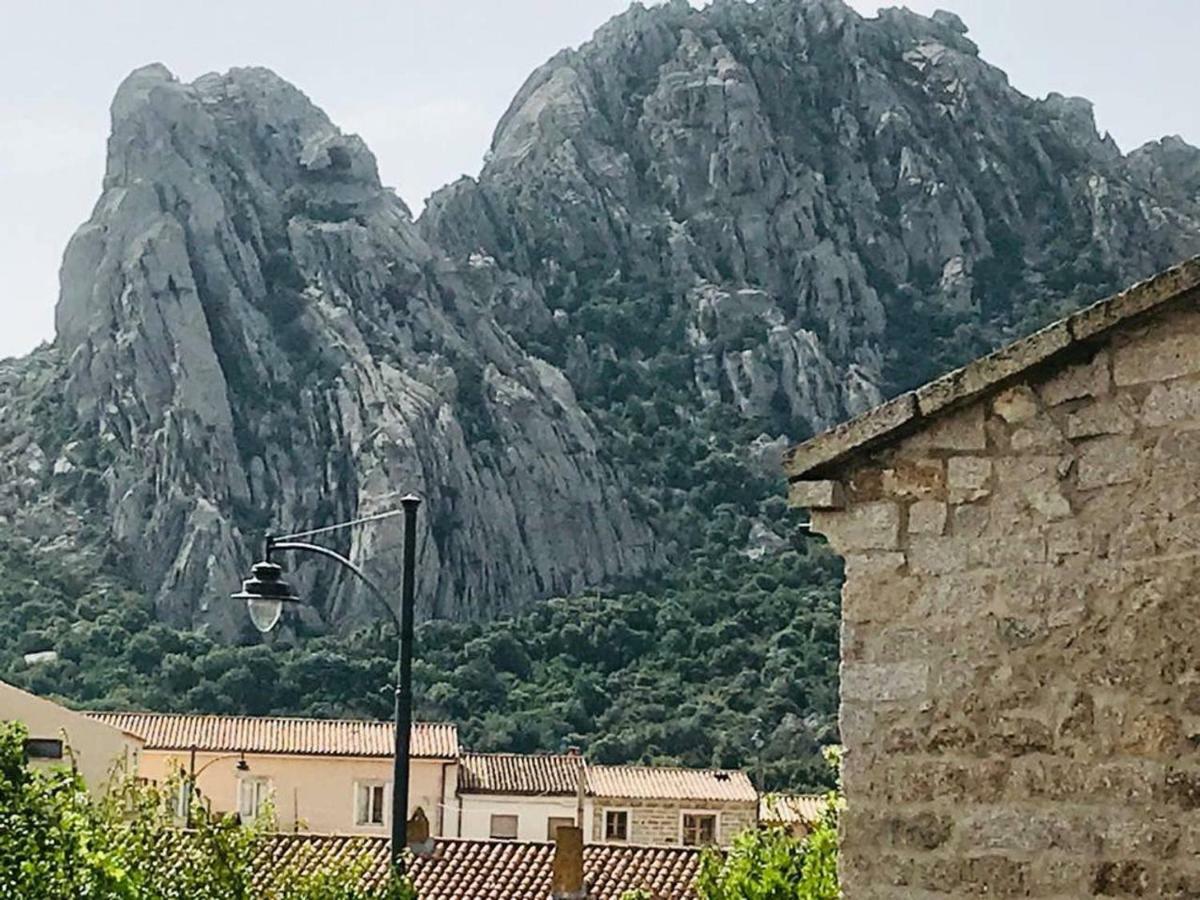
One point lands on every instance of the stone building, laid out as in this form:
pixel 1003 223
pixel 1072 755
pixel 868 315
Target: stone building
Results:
pixel 797 813
pixel 665 806
pixel 1020 652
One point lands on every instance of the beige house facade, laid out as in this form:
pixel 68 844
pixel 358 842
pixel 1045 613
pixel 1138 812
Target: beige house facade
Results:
pixel 318 775
pixel 334 777
pixel 526 797
pixel 1020 660
pixel 60 736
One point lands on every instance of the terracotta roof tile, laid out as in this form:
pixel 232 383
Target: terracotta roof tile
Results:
pixel 505 870
pixel 517 773
pixel 789 808
pixel 657 783
pixel 257 734
pixel 558 774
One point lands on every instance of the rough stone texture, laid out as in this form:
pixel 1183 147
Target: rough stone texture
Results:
pixel 821 194
pixel 860 431
pixel 816 494
pixel 253 334
pixel 970 380
pixel 657 822
pixel 1020 700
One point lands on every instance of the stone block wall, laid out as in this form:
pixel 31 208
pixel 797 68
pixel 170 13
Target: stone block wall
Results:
pixel 657 822
pixel 1021 636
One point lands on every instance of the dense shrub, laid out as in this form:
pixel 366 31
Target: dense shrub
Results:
pixel 59 843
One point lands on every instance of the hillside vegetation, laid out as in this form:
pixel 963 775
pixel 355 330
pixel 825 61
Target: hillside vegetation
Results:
pixel 732 664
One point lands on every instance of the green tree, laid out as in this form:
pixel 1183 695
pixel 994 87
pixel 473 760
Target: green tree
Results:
pixel 772 864
pixel 59 843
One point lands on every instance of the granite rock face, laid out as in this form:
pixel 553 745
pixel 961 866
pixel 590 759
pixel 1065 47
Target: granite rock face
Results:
pixel 857 203
pixel 252 334
pixel 772 213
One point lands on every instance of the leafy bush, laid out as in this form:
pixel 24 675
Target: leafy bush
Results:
pixel 772 864
pixel 58 843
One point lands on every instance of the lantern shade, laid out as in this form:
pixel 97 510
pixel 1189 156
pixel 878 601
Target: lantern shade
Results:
pixel 265 592
pixel 264 613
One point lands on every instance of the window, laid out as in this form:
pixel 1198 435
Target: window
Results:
pixel 43 748
pixel 553 823
pixel 504 828
pixel 253 794
pixel 370 797
pixel 616 825
pixel 699 829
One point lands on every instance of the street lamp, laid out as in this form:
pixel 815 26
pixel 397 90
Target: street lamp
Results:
pixel 265 593
pixel 192 774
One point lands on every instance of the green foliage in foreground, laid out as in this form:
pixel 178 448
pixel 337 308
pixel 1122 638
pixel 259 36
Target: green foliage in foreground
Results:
pixel 58 843
pixel 771 864
pixel 729 663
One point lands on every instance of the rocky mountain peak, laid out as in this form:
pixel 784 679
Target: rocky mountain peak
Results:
pixel 256 336
pixel 703 231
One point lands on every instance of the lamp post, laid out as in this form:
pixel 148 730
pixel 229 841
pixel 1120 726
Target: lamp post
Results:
pixel 265 594
pixel 193 774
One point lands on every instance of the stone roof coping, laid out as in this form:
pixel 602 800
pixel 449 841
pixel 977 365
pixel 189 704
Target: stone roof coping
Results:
pixel 822 454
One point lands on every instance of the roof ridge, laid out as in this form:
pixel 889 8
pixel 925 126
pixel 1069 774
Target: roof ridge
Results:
pixel 499 753
pixel 665 768
pixel 796 793
pixel 232 716
pixel 449 839
pixel 286 735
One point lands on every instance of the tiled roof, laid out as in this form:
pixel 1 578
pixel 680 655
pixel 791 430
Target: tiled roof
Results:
pixel 304 737
pixel 655 783
pixel 517 773
pixel 558 774
pixel 495 870
pixel 789 808
pixel 821 455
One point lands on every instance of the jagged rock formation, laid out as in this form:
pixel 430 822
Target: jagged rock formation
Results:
pixel 252 332
pixel 770 214
pixel 853 203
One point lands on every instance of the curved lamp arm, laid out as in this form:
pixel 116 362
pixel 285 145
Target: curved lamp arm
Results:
pixel 223 757
pixel 374 589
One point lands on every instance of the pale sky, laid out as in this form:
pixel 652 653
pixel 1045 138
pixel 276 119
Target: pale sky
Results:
pixel 424 81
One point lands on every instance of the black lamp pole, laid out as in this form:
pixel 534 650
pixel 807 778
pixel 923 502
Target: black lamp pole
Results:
pixel 404 682
pixel 265 592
